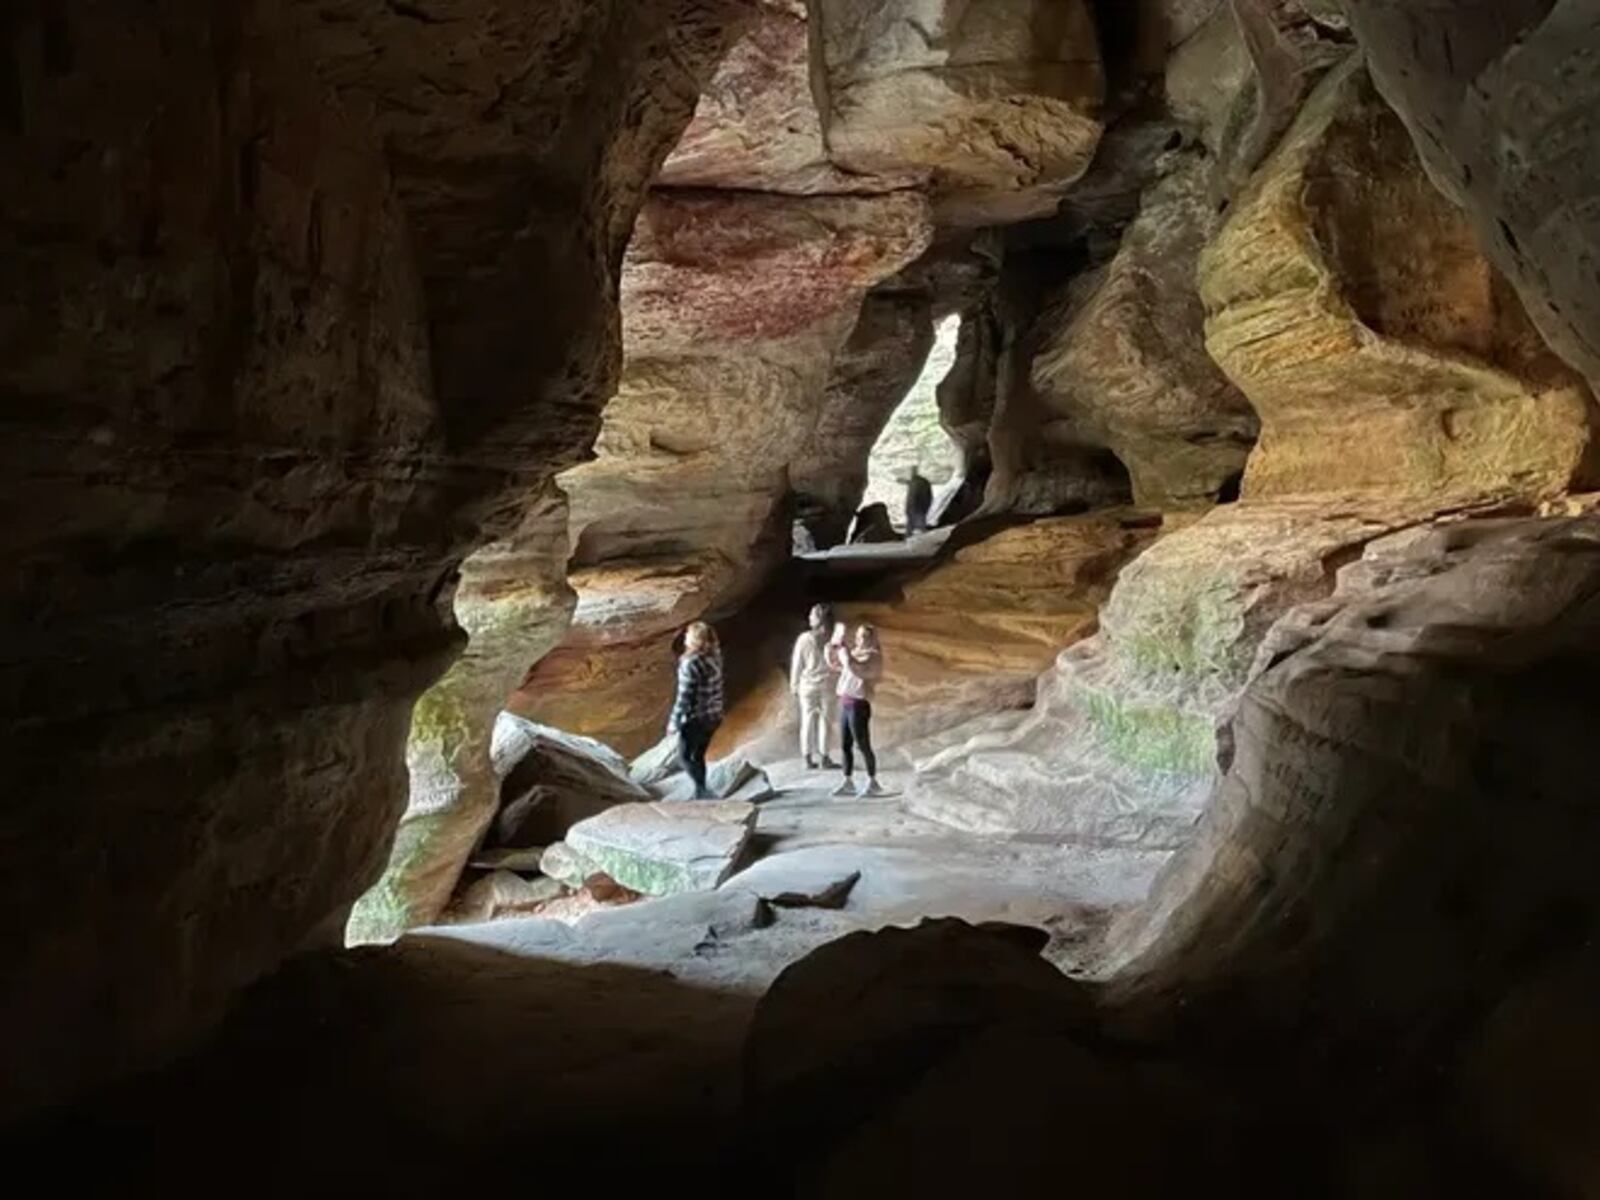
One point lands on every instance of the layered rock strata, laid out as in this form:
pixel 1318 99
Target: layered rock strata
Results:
pixel 735 308
pixel 972 634
pixel 1119 747
pixel 1343 286
pixel 1122 362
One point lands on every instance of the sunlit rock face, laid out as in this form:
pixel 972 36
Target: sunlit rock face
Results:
pixel 1119 747
pixel 994 104
pixel 285 341
pixel 515 605
pixel 1122 362
pixel 1345 293
pixel 1500 100
pixel 735 306
pixel 1395 377
pixel 611 678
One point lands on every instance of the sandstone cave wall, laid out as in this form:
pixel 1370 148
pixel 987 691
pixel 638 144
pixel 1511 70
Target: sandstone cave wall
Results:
pixel 1396 379
pixel 300 309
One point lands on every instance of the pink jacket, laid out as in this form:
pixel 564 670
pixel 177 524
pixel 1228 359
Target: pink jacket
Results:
pixel 859 671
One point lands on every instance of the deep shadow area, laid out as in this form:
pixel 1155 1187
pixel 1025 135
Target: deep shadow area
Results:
pixel 419 1069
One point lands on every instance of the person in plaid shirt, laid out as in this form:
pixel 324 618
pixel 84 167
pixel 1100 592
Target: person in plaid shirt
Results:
pixel 697 710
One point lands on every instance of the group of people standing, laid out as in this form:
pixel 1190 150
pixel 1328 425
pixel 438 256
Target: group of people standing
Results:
pixel 830 673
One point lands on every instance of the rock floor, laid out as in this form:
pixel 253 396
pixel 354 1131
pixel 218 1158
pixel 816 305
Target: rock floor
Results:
pixel 909 868
pixel 523 1045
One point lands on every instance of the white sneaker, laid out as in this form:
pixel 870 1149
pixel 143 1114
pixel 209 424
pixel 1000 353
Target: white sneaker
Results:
pixel 871 788
pixel 846 788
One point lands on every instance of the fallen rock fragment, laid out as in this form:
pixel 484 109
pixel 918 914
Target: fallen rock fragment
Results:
pixel 659 848
pixel 829 895
pixel 499 893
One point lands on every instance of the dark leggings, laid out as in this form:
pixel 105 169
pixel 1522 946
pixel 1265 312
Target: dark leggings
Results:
pixel 855 729
pixel 693 738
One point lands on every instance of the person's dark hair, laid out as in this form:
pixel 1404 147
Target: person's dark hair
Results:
pixel 824 614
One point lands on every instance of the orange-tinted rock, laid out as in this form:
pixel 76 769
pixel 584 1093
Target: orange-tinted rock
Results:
pixel 1351 303
pixel 612 679
pixel 972 634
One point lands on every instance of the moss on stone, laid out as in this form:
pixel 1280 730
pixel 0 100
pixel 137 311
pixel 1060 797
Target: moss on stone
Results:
pixel 385 911
pixel 1186 635
pixel 440 722
pixel 1150 739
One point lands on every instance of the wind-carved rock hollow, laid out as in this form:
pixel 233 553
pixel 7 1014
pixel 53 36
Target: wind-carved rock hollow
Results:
pixel 388 386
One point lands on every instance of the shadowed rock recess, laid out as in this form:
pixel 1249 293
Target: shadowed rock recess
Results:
pixel 385 387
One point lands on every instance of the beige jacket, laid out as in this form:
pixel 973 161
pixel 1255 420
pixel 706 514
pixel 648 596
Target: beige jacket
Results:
pixel 809 671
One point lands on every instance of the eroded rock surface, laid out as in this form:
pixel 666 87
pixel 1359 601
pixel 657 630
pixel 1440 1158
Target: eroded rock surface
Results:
pixel 1356 888
pixel 541 781
pixel 886 351
pixel 274 375
pixel 1120 746
pixel 1122 361
pixel 1502 111
pixel 973 633
pixel 995 104
pixel 757 126
pixel 1344 287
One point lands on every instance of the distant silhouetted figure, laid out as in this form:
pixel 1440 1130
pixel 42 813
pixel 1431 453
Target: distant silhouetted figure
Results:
pixel 919 500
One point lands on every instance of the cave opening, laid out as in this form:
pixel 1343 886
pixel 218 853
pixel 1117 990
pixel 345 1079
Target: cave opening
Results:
pixel 914 439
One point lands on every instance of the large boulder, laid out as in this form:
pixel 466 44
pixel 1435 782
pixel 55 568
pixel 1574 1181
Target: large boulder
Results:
pixel 551 779
pixel 662 848
pixel 1344 288
pixel 995 104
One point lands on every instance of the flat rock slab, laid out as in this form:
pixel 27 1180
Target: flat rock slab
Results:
pixel 663 848
pixel 729 779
